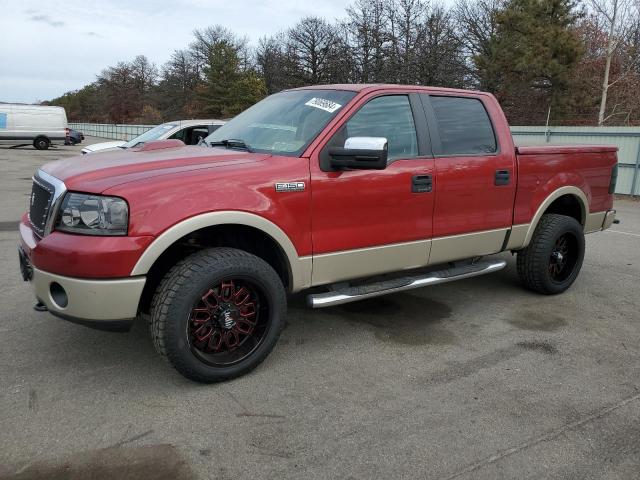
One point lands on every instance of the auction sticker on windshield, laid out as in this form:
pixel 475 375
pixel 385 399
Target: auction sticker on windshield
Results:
pixel 323 104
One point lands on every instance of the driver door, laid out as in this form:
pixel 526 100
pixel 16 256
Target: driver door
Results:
pixel 366 222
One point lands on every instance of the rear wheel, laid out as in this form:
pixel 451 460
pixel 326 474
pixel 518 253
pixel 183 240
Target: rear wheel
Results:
pixel 218 314
pixel 552 261
pixel 41 143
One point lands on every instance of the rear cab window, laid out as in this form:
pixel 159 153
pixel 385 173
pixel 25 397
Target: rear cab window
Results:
pixel 463 125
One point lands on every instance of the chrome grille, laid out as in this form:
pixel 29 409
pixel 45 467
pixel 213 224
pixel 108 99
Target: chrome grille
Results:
pixel 40 204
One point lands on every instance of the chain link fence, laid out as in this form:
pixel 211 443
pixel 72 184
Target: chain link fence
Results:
pixel 111 130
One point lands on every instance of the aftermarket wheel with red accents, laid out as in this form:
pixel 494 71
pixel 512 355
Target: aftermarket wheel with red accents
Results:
pixel 217 314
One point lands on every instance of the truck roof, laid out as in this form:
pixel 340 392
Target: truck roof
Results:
pixel 359 87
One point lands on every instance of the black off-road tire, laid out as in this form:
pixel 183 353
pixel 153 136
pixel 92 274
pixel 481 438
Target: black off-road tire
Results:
pixel 182 288
pixel 534 262
pixel 41 143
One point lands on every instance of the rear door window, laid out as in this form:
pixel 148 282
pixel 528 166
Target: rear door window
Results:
pixel 464 126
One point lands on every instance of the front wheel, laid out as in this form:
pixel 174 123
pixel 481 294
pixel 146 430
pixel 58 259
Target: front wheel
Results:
pixel 218 314
pixel 552 261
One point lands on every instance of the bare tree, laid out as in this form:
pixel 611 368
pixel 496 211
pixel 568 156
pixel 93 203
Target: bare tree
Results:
pixel 477 23
pixel 440 52
pixel 120 92
pixel 145 74
pixel 476 28
pixel 277 63
pixel 312 40
pixel 368 37
pixel 406 21
pixel 618 16
pixel 180 79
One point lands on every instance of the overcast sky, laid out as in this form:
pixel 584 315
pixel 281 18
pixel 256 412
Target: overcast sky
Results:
pixel 46 51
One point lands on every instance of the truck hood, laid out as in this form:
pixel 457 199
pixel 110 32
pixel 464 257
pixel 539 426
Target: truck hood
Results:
pixel 100 171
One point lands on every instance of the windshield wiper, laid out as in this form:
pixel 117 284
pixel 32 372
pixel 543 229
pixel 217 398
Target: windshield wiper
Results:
pixel 232 143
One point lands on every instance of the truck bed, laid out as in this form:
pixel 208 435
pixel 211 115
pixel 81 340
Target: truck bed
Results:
pixel 544 169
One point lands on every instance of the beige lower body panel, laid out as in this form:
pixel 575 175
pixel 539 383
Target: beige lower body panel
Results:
pixel 364 262
pixel 594 222
pixel 457 247
pixel 518 236
pixel 301 273
pixel 609 218
pixel 350 264
pixel 93 300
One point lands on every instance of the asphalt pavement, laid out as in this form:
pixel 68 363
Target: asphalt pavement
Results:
pixel 477 379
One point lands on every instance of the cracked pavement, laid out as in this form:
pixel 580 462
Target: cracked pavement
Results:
pixel 477 379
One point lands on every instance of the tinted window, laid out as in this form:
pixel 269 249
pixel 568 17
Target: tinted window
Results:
pixel 464 126
pixel 388 117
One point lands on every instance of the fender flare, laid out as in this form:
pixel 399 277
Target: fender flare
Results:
pixel 300 267
pixel 568 190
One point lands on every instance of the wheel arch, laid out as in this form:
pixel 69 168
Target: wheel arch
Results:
pixel 565 200
pixel 298 268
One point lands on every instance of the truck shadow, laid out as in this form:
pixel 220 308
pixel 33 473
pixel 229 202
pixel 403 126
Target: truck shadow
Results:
pixel 401 318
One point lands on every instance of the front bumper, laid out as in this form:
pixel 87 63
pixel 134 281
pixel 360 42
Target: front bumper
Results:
pixel 104 304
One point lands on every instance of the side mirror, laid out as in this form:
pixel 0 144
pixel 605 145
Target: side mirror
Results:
pixel 360 153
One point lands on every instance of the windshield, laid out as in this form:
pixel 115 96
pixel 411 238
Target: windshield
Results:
pixel 284 123
pixel 154 134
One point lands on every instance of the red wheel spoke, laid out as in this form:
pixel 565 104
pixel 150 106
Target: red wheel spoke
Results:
pixel 203 333
pixel 211 299
pixel 248 310
pixel 215 342
pixel 200 315
pixel 242 296
pixel 231 339
pixel 244 327
pixel 227 290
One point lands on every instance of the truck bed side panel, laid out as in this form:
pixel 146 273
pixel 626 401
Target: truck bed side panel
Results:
pixel 542 170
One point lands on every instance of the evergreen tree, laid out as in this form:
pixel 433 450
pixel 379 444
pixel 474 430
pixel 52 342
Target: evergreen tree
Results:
pixel 229 90
pixel 531 57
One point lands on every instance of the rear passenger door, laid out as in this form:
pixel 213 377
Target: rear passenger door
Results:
pixel 474 178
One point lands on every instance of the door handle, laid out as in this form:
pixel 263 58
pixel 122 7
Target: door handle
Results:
pixel 421 183
pixel 502 177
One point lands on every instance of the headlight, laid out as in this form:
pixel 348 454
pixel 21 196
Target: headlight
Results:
pixel 93 215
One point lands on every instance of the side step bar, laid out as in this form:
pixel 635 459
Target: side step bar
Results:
pixel 353 294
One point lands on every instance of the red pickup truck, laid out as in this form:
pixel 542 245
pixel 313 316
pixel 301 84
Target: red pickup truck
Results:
pixel 354 190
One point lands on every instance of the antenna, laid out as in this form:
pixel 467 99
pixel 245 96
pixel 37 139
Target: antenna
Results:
pixel 547 132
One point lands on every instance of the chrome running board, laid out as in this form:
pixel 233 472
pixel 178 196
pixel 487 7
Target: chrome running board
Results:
pixel 375 289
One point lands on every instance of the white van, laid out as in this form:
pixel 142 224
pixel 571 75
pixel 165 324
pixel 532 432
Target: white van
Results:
pixel 37 124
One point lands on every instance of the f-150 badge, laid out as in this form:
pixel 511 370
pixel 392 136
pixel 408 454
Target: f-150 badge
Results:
pixel 290 187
